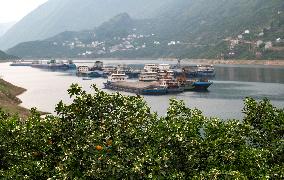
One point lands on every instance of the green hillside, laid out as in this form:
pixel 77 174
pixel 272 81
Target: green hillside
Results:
pixel 184 28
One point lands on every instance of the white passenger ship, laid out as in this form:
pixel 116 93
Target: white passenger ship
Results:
pixel 115 77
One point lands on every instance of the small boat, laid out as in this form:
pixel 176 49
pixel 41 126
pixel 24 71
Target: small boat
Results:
pixel 193 85
pixel 201 85
pixel 197 71
pixel 205 70
pixel 95 74
pixel 20 63
pixel 87 78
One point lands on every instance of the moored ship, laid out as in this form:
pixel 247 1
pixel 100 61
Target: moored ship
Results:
pixel 54 65
pixel 195 71
pixel 20 63
pixel 156 82
pixel 148 76
pixel 193 84
pixel 115 77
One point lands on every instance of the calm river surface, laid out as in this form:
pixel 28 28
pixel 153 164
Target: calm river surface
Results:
pixel 224 100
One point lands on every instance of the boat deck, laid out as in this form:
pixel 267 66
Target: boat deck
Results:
pixel 134 85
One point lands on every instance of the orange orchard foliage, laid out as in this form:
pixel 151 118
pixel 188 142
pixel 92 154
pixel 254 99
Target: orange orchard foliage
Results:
pixel 99 148
pixel 138 144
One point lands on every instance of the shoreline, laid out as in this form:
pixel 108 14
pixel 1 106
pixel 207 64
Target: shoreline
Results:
pixel 237 62
pixel 188 61
pixel 9 100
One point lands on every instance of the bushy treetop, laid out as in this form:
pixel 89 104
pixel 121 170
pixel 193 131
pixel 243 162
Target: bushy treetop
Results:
pixel 111 136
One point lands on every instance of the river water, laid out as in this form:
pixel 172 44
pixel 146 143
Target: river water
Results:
pixel 224 99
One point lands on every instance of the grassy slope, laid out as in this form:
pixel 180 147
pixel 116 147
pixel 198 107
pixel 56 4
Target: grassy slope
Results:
pixel 8 100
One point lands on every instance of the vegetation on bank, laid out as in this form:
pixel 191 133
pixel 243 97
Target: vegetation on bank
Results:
pixel 111 136
pixel 8 98
pixel 4 56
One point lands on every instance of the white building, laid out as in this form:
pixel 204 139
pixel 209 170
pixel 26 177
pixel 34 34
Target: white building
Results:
pixel 171 43
pixel 89 52
pixel 259 42
pixel 157 42
pixel 233 43
pixel 82 69
pixel 268 45
pixel 247 31
pixel 261 34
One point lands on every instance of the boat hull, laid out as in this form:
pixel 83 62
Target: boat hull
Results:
pixel 62 67
pixel 154 92
pixel 21 64
pixel 201 86
pixel 188 87
pixel 175 90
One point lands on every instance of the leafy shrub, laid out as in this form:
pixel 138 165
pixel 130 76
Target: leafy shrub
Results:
pixel 111 136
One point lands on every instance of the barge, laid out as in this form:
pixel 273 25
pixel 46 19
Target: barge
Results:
pixel 143 88
pixel 156 88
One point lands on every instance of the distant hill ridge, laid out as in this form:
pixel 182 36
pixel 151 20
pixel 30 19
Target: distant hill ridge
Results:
pixel 57 16
pixel 180 28
pixel 4 56
pixel 4 27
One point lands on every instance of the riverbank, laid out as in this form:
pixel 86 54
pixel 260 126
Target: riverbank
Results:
pixel 8 99
pixel 234 62
pixel 193 61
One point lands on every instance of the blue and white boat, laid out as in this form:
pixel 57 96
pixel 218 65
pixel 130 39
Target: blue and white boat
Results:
pixel 201 85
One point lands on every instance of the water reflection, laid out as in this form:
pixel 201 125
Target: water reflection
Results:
pixel 250 74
